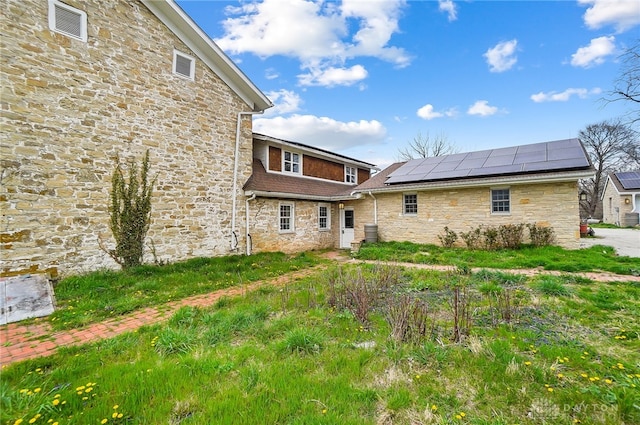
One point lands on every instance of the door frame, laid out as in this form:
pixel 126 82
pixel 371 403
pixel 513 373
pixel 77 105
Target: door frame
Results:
pixel 343 228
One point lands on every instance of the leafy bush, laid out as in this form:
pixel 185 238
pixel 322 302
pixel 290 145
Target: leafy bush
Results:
pixel 449 238
pixel 511 235
pixel 541 235
pixel 472 238
pixel 130 211
pixel 491 238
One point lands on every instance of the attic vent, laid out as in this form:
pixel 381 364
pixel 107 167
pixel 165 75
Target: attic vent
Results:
pixel 67 20
pixel 183 65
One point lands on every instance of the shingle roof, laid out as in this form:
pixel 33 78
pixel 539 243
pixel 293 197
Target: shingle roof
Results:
pixel 278 184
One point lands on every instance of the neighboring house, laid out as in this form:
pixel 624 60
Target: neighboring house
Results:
pixel 536 183
pixel 621 198
pixel 297 194
pixel 87 81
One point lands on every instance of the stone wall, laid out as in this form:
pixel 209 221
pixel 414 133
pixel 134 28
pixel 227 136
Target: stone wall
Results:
pixel 69 108
pixel 264 226
pixel 550 204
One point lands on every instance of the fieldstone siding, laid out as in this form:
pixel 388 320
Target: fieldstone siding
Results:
pixel 614 208
pixel 264 226
pixel 70 108
pixel 549 204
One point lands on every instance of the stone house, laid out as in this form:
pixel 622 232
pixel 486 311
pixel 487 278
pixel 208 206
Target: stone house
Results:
pixel 535 183
pixel 87 81
pixel 297 194
pixel 621 198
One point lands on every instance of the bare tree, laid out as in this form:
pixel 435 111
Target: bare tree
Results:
pixel 612 146
pixel 426 147
pixel 627 85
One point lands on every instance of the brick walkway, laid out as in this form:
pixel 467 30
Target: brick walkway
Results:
pixel 21 342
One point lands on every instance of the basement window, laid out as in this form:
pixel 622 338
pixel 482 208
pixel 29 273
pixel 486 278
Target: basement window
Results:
pixel 184 65
pixel 67 20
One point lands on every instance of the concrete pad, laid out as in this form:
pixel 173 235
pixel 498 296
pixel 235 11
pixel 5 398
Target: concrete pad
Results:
pixel 25 297
pixel 626 242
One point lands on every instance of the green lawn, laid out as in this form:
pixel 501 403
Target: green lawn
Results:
pixel 596 258
pixel 365 344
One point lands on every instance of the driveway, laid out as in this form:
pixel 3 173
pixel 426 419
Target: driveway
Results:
pixel 625 241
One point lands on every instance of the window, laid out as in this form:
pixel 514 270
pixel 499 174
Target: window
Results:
pixel 324 217
pixel 291 162
pixel 286 218
pixel 350 174
pixel 184 65
pixel 410 203
pixel 67 20
pixel 500 203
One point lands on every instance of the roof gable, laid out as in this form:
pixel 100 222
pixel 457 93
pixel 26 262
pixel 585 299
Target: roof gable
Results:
pixel 553 156
pixel 192 35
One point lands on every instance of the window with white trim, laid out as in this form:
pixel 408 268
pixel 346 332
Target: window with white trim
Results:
pixel 67 20
pixel 286 217
pixel 500 201
pixel 324 217
pixel 350 174
pixel 291 162
pixel 184 65
pixel 410 203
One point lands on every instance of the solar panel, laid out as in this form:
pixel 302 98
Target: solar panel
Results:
pixel 629 179
pixel 549 156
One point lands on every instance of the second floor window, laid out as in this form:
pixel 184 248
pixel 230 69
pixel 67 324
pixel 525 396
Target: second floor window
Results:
pixel 291 162
pixel 350 174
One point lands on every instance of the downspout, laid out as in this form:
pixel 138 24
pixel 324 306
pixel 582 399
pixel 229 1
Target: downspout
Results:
pixel 375 208
pixel 234 237
pixel 246 221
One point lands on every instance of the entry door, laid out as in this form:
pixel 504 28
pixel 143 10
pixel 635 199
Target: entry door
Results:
pixel 347 220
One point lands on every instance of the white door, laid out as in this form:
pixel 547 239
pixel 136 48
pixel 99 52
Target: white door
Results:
pixel 347 220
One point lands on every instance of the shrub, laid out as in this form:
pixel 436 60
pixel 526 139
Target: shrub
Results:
pixel 491 240
pixel 130 210
pixel 408 318
pixel 472 238
pixel 449 238
pixel 541 235
pixel 511 235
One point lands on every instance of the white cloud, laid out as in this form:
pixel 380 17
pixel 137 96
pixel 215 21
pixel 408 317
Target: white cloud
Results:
pixel 427 112
pixel 595 53
pixel 449 7
pixel 502 57
pixel 271 74
pixel 565 95
pixel 284 102
pixel 330 77
pixel 622 14
pixel 317 33
pixel 322 132
pixel 482 108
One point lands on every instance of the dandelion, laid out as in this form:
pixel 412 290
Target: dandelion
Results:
pixel 56 401
pixel 116 407
pixel 584 375
pixel 550 389
pixel 120 415
pixel 608 381
pixel 37 390
pixel 324 412
pixel 560 375
pixel 104 421
pixel 527 363
pixel 17 422
pixel 114 415
pixel 434 408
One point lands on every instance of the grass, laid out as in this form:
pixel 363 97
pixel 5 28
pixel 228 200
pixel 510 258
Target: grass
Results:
pixel 286 355
pixel 595 258
pixel 93 297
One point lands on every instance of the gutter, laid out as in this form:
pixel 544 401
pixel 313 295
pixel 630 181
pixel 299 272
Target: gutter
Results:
pixel 284 195
pixel 246 221
pixel 234 195
pixel 375 208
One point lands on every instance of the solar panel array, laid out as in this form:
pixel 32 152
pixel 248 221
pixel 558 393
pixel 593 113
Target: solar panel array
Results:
pixel 629 179
pixel 539 157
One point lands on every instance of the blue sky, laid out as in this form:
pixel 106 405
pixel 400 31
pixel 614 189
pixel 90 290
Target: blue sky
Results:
pixel 365 77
